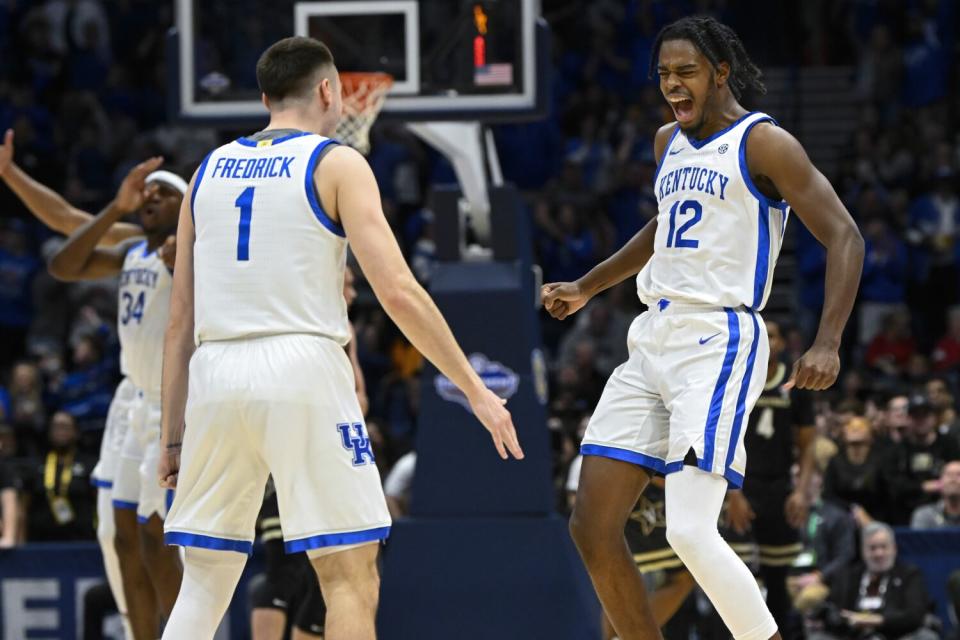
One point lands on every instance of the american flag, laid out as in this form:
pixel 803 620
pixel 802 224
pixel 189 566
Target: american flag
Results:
pixel 491 75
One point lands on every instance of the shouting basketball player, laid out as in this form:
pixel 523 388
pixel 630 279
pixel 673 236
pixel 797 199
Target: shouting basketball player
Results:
pixel 698 357
pixel 259 314
pixel 56 213
pixel 144 300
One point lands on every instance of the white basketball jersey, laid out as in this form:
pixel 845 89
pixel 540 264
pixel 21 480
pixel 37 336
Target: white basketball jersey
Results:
pixel 267 258
pixel 718 236
pixel 144 308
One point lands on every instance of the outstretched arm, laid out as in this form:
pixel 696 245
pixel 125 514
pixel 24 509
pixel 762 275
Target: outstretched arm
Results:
pixel 178 347
pixel 349 191
pixel 50 207
pixel 80 258
pixel 775 155
pixel 562 299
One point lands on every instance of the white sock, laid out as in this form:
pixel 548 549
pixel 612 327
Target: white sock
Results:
pixel 693 502
pixel 106 532
pixel 209 579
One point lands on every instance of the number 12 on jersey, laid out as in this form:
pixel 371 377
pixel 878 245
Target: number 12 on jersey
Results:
pixel 245 204
pixel 683 208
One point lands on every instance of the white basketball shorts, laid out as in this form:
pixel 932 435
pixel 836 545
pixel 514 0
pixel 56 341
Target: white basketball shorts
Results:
pixel 114 431
pixel 135 485
pixel 692 377
pixel 283 405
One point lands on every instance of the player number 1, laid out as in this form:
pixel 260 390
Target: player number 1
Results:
pixel 245 202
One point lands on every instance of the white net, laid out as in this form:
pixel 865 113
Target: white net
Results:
pixel 363 96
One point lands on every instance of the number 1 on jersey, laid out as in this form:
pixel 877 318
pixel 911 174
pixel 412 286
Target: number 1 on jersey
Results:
pixel 245 203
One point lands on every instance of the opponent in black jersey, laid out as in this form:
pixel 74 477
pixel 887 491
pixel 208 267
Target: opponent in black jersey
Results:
pixel 779 433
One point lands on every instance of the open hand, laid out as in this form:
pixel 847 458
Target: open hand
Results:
pixel 493 415
pixel 133 190
pixel 796 509
pixel 562 299
pixel 816 370
pixel 862 619
pixel 740 514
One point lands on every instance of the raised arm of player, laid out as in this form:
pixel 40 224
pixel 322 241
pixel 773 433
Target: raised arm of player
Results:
pixel 562 299
pixel 776 156
pixel 178 347
pixel 80 258
pixel 348 191
pixel 48 206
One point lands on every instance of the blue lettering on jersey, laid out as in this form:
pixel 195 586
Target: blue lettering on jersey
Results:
pixel 253 168
pixel 139 276
pixel 693 179
pixel 358 443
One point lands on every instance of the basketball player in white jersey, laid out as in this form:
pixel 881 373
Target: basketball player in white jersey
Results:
pixel 698 357
pixel 59 215
pixel 258 313
pixel 144 301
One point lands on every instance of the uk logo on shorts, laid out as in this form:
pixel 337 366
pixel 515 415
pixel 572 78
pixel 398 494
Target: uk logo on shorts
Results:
pixel 356 442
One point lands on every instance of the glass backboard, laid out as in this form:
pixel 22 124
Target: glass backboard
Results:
pixel 450 59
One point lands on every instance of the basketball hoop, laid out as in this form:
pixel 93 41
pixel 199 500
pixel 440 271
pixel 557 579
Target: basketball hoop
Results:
pixel 363 96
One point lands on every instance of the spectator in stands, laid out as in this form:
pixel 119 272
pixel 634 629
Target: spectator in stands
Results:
pixel 925 61
pixel 829 545
pixel 946 511
pixel 934 220
pixel 590 380
pixel 890 350
pixel 17 268
pixel 25 410
pixel 631 204
pixel 897 419
pixel 87 390
pixel 880 597
pixel 10 487
pixel 855 477
pixel 605 330
pixel 61 500
pixel 568 246
pixel 880 71
pixel 919 460
pixel 946 355
pixel 567 403
pixel 942 401
pixel 883 286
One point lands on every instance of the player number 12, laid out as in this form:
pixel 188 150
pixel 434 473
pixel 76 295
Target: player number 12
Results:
pixel 245 203
pixel 683 208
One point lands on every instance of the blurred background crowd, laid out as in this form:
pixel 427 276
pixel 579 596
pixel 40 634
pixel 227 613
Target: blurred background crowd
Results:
pixel 82 84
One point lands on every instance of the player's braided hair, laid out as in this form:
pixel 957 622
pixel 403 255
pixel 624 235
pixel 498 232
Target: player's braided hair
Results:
pixel 718 43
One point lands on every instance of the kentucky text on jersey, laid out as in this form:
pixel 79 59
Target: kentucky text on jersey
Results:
pixel 694 178
pixel 146 277
pixel 248 168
